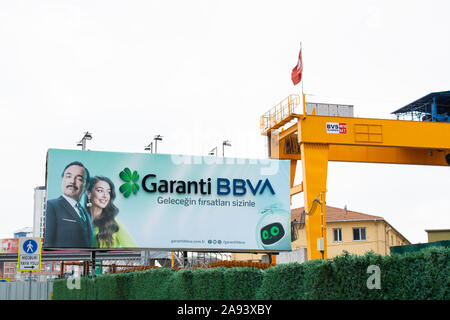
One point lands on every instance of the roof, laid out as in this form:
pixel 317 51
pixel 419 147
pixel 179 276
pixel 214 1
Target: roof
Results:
pixel 437 230
pixel 423 104
pixel 24 229
pixel 336 214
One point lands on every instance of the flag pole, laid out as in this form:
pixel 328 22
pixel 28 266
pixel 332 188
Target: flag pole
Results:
pixel 303 94
pixel 302 65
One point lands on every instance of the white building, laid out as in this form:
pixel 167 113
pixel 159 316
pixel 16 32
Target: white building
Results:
pixel 39 210
pixel 23 232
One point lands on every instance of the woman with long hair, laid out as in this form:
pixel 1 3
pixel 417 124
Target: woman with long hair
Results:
pixel 108 231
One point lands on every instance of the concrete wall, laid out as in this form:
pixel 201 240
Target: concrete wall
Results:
pixel 438 235
pixel 299 256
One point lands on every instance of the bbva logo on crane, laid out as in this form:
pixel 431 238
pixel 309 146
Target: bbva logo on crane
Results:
pixel 224 186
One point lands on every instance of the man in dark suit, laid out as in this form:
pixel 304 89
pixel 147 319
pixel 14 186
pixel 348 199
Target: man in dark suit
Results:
pixel 67 223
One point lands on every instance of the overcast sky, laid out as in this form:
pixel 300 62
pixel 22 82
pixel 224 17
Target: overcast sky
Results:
pixel 200 72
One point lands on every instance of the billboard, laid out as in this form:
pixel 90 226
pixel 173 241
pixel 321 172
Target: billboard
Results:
pixel 111 200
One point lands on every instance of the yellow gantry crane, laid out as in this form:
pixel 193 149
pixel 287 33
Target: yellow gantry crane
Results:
pixel 318 133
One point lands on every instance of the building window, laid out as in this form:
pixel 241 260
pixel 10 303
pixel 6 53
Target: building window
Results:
pixel 337 235
pixel 359 234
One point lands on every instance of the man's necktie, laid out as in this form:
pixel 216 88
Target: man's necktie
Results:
pixel 87 223
pixel 81 211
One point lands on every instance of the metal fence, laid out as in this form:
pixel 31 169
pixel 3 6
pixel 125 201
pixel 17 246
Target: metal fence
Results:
pixel 25 290
pixel 38 285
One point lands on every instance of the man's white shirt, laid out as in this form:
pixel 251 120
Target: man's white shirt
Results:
pixel 73 203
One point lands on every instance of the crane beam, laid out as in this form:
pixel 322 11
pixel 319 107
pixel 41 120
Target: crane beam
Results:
pixel 390 148
pixel 374 132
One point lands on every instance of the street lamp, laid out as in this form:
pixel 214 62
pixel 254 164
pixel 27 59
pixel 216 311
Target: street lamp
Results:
pixel 156 139
pixel 213 152
pixel 82 142
pixel 225 143
pixel 149 147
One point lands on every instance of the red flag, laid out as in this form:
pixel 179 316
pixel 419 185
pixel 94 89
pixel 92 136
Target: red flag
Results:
pixel 296 74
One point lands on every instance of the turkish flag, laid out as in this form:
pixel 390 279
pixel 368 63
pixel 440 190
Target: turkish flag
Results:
pixel 296 74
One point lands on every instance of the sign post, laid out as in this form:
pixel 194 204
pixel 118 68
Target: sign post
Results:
pixel 29 258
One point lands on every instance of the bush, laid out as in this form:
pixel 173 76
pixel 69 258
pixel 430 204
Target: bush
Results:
pixel 319 281
pixel 421 275
pixel 208 284
pixel 151 284
pixel 107 288
pixel 60 291
pixel 91 289
pixel 281 282
pixel 180 285
pixel 241 283
pixel 350 276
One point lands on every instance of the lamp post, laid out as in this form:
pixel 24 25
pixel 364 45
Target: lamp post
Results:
pixel 149 147
pixel 82 142
pixel 213 152
pixel 225 143
pixel 156 139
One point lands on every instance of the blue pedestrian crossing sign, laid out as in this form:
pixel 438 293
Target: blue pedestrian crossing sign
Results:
pixel 30 246
pixel 29 254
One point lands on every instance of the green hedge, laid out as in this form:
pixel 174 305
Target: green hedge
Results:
pixel 208 284
pixel 282 282
pixel 241 283
pixel 418 246
pixel 151 284
pixel 411 276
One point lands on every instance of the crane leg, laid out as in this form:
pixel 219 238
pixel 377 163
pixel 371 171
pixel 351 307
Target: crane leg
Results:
pixel 314 167
pixel 293 168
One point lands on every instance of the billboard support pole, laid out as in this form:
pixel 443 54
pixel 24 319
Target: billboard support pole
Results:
pixel 185 259
pixel 30 285
pixel 93 263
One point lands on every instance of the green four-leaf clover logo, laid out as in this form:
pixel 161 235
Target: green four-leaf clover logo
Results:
pixel 130 184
